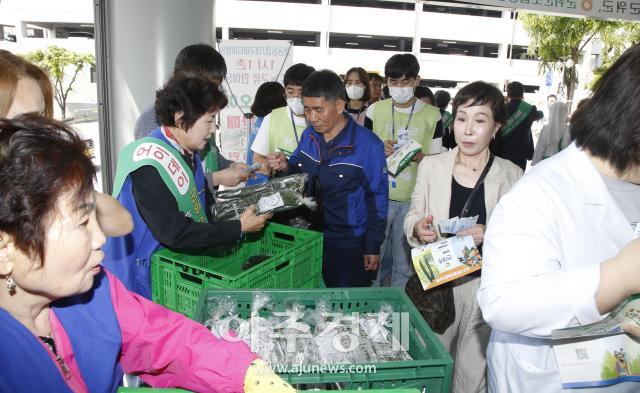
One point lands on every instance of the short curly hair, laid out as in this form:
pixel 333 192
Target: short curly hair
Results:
pixel 193 94
pixel 40 159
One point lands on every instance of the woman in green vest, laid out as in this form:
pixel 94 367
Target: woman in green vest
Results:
pixel 161 182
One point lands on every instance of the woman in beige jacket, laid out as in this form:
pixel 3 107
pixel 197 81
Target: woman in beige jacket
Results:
pixel 444 183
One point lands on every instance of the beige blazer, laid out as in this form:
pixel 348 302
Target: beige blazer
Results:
pixel 432 192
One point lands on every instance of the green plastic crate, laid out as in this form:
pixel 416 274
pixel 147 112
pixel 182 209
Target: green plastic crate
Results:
pixel 430 371
pixel 296 262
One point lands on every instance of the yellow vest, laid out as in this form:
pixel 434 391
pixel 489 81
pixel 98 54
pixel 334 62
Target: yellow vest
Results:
pixel 281 134
pixel 421 129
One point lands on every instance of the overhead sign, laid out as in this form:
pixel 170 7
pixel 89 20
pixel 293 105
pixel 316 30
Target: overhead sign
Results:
pixel 599 9
pixel 250 63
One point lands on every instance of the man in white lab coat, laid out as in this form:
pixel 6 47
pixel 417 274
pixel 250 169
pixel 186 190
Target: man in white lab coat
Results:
pixel 559 248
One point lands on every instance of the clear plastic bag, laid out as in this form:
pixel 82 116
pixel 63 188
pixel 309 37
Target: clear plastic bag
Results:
pixel 378 327
pixel 294 335
pixel 276 195
pixel 225 322
pixel 293 182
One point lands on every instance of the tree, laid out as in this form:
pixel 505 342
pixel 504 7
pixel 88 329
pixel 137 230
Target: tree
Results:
pixel 56 60
pixel 615 42
pixel 557 39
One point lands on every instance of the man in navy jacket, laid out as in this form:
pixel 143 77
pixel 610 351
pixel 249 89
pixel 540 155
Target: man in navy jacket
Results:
pixel 347 163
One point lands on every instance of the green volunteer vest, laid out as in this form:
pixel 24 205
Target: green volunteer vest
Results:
pixel 210 156
pixel 447 119
pixel 281 135
pixel 421 129
pixel 516 119
pixel 172 168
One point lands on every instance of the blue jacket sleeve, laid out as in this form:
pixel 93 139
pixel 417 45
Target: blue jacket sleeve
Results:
pixel 293 161
pixel 376 197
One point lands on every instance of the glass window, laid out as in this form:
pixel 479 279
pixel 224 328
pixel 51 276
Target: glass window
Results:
pixel 291 1
pixel 460 8
pixel 299 38
pixel 459 48
pixel 370 42
pixel 7 33
pixel 392 5
pixel 520 53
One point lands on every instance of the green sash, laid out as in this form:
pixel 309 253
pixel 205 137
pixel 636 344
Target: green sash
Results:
pixel 516 119
pixel 210 155
pixel 447 119
pixel 172 168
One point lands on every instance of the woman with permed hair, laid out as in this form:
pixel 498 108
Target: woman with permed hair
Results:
pixel 160 181
pixel 69 325
pixel 26 88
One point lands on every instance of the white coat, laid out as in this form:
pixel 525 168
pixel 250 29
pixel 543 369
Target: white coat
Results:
pixel 542 254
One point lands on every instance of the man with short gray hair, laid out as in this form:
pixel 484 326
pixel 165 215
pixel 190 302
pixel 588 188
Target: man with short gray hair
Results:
pixel 346 162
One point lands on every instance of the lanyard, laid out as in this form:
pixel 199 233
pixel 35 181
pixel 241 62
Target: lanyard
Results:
pixel 393 120
pixel 174 141
pixel 295 131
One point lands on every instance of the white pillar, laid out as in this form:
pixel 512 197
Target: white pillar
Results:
pixel 415 47
pixel 21 31
pixel 326 29
pixel 136 45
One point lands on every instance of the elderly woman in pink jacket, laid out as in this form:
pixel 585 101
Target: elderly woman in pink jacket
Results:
pixel 68 325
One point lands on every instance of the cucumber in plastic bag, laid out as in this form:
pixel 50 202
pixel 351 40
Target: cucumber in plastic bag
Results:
pixel 293 182
pixel 276 195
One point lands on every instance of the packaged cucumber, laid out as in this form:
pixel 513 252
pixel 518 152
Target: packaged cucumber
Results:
pixel 401 158
pixel 276 195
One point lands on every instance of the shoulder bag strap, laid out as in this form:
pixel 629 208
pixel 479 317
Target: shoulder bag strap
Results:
pixel 476 188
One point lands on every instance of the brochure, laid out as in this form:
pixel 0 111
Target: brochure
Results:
pixel 401 158
pixel 601 353
pixel 443 261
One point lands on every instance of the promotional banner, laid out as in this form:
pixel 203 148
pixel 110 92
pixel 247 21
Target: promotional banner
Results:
pixel 250 63
pixel 600 9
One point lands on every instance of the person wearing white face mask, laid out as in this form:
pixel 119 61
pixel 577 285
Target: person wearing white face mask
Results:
pixel 281 129
pixel 396 121
pixel 356 82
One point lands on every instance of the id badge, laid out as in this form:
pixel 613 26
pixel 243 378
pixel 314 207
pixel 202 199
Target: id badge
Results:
pixel 403 137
